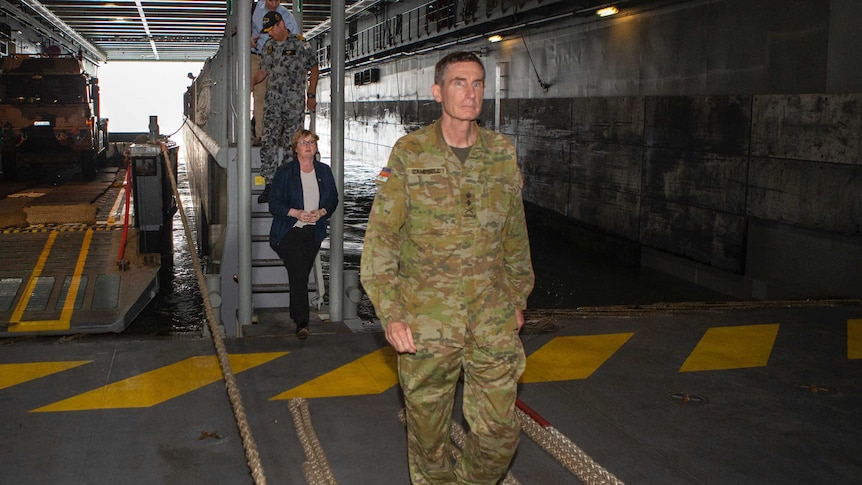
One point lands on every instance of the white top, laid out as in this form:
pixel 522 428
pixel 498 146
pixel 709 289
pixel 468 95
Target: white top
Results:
pixel 310 193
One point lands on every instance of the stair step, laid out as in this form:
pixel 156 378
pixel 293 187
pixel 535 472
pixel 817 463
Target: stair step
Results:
pixel 259 263
pixel 260 225
pixel 260 248
pixel 278 288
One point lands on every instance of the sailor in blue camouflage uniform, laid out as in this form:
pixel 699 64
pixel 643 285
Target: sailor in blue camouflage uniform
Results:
pixel 446 263
pixel 258 39
pixel 286 62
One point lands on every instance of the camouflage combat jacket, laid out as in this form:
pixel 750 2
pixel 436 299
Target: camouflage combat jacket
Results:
pixel 287 64
pixel 446 249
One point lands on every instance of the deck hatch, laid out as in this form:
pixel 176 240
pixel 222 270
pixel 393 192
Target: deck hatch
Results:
pixel 79 298
pixel 41 293
pixel 8 290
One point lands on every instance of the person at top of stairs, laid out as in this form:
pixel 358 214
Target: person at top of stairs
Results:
pixel 286 61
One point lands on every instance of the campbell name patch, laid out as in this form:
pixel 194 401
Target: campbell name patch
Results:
pixel 427 171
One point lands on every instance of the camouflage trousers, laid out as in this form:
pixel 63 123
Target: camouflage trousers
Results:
pixel 281 122
pixel 258 92
pixel 429 379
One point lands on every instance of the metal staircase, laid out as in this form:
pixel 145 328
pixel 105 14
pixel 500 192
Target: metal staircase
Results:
pixel 270 288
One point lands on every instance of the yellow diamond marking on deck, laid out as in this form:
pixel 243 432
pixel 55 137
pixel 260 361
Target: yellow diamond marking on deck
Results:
pixel 370 374
pixel 14 374
pixel 159 385
pixel 571 358
pixel 854 339
pixel 734 347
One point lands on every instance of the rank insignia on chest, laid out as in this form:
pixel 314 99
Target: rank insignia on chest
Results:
pixel 383 176
pixel 269 49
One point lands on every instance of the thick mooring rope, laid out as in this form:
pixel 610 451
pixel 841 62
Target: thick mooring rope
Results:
pixel 676 308
pixel 566 452
pixel 254 463
pixel 459 437
pixel 316 468
pixel 555 443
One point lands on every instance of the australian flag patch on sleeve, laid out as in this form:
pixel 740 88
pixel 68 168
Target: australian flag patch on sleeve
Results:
pixel 383 176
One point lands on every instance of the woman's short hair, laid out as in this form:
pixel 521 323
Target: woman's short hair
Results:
pixel 300 135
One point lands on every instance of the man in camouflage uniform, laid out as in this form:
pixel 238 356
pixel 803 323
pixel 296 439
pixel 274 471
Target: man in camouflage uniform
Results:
pixel 446 263
pixel 286 62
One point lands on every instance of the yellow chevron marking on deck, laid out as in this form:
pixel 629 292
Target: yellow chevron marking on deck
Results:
pixel 14 374
pixel 734 347
pixel 64 322
pixel 571 358
pixel 854 338
pixel 370 374
pixel 159 385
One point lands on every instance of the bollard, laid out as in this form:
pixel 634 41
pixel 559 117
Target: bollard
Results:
pixel 154 129
pixel 352 293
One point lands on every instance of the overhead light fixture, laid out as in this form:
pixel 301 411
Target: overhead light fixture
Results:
pixel 607 11
pixel 495 38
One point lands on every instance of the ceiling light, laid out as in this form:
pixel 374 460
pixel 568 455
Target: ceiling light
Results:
pixel 495 38
pixel 607 11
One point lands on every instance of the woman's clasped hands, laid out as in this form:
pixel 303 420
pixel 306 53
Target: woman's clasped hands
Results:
pixel 309 217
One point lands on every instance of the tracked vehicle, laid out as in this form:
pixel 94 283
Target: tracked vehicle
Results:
pixel 49 111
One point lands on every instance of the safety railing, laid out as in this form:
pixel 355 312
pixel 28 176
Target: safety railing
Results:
pixel 429 19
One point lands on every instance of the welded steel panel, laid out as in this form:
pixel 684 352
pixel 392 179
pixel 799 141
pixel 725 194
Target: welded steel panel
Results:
pixel 822 196
pixel 718 124
pixel 816 127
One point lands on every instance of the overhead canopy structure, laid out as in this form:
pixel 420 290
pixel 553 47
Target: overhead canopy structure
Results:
pixel 140 30
pixel 168 30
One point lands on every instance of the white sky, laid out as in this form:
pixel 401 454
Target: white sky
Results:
pixel 132 91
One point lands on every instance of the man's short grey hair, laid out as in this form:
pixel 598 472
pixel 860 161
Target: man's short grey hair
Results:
pixel 444 63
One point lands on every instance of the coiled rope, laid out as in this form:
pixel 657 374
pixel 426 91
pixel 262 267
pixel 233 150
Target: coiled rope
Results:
pixel 316 468
pixel 251 454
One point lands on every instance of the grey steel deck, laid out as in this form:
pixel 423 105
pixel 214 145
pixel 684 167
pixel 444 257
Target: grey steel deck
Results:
pixel 689 394
pixel 59 252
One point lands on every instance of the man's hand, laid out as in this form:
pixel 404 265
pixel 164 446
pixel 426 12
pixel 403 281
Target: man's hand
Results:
pixel 401 337
pixel 519 316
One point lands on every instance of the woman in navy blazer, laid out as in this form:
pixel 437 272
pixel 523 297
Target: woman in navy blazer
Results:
pixel 302 198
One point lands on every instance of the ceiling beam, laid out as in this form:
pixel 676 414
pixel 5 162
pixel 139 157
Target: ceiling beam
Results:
pixel 95 53
pixel 143 18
